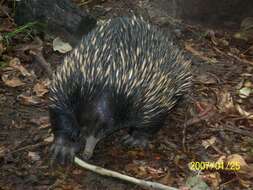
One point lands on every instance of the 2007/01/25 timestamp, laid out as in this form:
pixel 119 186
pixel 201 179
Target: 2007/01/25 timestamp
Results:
pixel 227 166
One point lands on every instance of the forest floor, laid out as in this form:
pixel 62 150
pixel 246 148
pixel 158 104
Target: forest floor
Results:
pixel 214 124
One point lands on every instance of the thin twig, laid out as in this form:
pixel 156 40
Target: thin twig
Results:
pixel 7 14
pixel 234 56
pixel 207 113
pixel 198 54
pixel 28 147
pixel 109 173
pixel 234 129
pixel 241 60
pixel 41 60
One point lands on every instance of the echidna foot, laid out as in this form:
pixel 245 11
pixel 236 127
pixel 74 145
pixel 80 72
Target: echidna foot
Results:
pixel 138 142
pixel 63 151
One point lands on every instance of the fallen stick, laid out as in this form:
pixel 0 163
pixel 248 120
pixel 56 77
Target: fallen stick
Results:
pixel 35 49
pixel 109 173
pixel 28 147
pixel 41 60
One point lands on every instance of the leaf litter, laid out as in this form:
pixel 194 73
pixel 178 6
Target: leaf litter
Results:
pixel 223 80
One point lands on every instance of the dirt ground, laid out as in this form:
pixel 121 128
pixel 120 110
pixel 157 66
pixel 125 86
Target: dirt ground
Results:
pixel 213 124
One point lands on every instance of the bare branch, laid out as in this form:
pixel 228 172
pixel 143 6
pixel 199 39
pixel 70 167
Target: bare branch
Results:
pixel 109 173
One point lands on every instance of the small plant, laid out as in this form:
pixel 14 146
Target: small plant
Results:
pixel 3 64
pixel 27 29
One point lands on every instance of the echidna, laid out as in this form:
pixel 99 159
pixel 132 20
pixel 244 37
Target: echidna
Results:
pixel 123 74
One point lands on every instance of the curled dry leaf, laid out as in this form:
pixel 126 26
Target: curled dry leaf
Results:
pixel 209 142
pixel 62 47
pixel 245 89
pixel 236 161
pixel 246 171
pixel 12 82
pixel 41 88
pixel 15 63
pixel 245 92
pixel 244 113
pixel 237 158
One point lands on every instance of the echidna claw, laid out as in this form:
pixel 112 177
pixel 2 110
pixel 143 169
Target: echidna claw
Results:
pixel 63 152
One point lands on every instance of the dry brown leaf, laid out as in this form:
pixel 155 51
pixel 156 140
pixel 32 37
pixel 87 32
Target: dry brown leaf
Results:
pixel 224 42
pixel 34 156
pixel 245 183
pixel 168 179
pixel 139 170
pixel 2 150
pixel 237 163
pixel 221 159
pixel 49 139
pixel 43 122
pixel 61 46
pixel 226 103
pixel 29 100
pixel 246 171
pixel 132 168
pixel 234 50
pixel 154 171
pixel 199 54
pixel 13 82
pixel 244 113
pixel 209 142
pixel 237 158
pixel 40 89
pixel 15 63
pixel 245 92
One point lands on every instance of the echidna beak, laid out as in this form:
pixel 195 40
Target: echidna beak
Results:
pixel 90 145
